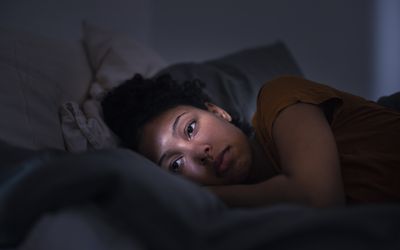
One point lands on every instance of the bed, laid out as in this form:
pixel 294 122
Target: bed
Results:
pixel 65 183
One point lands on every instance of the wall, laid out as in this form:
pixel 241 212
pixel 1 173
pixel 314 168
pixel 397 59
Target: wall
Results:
pixel 351 45
pixel 386 63
pixel 62 18
pixel 330 39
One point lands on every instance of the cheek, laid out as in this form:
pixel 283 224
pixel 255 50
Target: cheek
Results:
pixel 230 132
pixel 193 170
pixel 219 127
pixel 198 173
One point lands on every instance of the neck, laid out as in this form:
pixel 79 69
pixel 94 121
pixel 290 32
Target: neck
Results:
pixel 261 167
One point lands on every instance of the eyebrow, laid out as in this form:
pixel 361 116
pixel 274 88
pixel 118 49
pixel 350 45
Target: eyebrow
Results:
pixel 174 125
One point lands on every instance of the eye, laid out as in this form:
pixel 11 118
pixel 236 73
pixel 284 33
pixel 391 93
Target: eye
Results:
pixel 190 129
pixel 176 166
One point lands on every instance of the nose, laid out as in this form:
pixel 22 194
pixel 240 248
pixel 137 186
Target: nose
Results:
pixel 204 155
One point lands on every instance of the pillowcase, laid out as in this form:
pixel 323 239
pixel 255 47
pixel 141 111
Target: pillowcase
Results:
pixel 233 81
pixel 114 58
pixel 37 75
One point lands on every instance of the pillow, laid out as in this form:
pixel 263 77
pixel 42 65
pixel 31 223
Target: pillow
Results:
pixel 391 101
pixel 233 81
pixel 37 75
pixel 114 57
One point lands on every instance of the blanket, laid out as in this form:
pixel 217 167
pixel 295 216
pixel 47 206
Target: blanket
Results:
pixel 153 209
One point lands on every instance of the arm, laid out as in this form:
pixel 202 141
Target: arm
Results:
pixel 309 160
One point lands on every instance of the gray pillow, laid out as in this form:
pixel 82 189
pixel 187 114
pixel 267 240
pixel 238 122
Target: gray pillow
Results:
pixel 391 101
pixel 233 81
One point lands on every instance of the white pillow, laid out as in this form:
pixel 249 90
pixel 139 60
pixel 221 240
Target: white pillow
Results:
pixel 37 75
pixel 114 58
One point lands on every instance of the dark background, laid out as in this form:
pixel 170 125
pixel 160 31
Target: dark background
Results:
pixel 353 45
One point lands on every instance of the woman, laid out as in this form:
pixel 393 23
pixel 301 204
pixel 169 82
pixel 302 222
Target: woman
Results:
pixel 313 144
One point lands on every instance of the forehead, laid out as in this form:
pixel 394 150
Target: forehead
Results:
pixel 157 128
pixel 169 116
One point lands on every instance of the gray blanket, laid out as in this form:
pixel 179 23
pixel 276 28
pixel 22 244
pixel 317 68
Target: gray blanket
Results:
pixel 116 199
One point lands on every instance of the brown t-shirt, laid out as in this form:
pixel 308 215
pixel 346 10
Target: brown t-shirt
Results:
pixel 367 135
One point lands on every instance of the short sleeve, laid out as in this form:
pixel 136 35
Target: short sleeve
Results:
pixel 279 93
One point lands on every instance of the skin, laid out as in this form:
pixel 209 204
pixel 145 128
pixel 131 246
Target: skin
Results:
pixel 193 147
pixel 309 161
pixel 306 145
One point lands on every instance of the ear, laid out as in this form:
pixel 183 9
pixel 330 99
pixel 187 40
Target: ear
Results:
pixel 218 111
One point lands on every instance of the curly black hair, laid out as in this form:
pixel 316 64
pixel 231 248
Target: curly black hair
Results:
pixel 129 106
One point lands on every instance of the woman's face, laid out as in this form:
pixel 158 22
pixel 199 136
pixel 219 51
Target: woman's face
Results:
pixel 201 145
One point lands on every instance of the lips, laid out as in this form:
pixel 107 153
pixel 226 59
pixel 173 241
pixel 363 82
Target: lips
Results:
pixel 220 163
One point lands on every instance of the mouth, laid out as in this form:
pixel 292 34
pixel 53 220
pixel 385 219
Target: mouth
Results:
pixel 220 163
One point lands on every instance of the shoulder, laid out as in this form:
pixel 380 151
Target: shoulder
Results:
pixel 287 85
pixel 279 92
pixel 274 96
pixel 282 92
pixel 286 90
